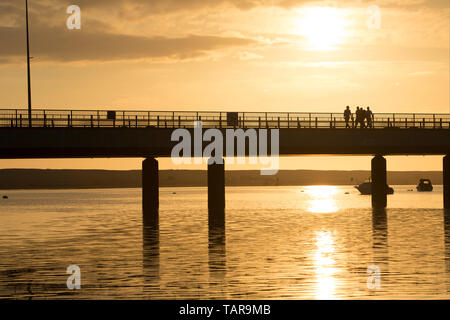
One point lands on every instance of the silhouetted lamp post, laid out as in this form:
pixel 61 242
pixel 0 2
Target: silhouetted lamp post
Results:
pixel 28 67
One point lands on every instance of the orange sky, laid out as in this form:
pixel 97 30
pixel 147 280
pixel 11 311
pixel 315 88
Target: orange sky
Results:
pixel 259 55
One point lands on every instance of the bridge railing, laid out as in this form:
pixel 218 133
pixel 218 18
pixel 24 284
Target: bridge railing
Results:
pixel 185 119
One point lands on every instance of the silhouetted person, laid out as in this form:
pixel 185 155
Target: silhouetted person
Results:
pixel 369 116
pixel 347 115
pixel 360 117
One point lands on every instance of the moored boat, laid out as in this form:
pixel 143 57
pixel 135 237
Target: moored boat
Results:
pixel 366 188
pixel 424 185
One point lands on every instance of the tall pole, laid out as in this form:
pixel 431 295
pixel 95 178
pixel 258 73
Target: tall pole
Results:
pixel 28 67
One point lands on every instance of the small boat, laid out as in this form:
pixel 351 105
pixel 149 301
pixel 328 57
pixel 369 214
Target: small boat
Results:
pixel 366 188
pixel 424 185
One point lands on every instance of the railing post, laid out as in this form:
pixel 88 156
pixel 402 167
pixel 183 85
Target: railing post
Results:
pixel 136 124
pixel 298 122
pixel 423 124
pixel 335 123
pixel 45 120
pixel 243 120
pixel 98 119
pixel 414 120
pixel 279 123
pixel 267 123
pixel 179 121
pixel 316 122
pixel 393 119
pixel 123 118
pixel 16 117
pixel 289 125
pixel 259 122
pixel 310 120
pixel 389 122
pixel 21 120
pixel 434 121
pixel 440 123
pixel 157 121
pixel 92 121
pixel 406 123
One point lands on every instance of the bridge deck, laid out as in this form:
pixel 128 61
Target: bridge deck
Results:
pixel 185 119
pixel 91 134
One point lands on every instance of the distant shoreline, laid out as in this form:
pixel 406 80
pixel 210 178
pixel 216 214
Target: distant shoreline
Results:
pixel 23 179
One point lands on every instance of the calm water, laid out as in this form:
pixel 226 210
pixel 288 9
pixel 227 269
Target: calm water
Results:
pixel 279 243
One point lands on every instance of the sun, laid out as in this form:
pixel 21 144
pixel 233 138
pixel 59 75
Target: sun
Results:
pixel 324 28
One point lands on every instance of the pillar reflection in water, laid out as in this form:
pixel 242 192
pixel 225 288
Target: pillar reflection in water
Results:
pixel 216 252
pixel 380 242
pixel 447 247
pixel 150 255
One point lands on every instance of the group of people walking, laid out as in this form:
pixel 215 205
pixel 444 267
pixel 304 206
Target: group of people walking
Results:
pixel 362 118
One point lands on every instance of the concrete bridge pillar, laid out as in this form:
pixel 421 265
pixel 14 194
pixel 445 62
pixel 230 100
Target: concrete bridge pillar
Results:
pixel 379 182
pixel 446 182
pixel 216 194
pixel 150 192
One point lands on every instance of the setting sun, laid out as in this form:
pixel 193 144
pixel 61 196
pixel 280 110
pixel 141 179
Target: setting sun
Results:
pixel 324 28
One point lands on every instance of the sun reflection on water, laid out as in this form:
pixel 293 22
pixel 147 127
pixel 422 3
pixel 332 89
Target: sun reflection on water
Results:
pixel 322 199
pixel 324 263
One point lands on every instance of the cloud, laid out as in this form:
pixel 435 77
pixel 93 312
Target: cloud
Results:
pixel 245 55
pixel 165 6
pixel 62 45
pixel 100 40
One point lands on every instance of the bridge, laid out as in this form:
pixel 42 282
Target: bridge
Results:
pixel 52 133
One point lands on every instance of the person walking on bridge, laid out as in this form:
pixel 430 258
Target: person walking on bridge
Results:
pixel 347 115
pixel 369 117
pixel 359 117
pixel 362 118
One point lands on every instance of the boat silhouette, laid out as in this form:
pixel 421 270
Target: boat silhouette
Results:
pixel 424 185
pixel 366 188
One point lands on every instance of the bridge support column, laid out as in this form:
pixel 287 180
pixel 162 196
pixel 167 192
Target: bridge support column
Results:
pixel 446 181
pixel 379 183
pixel 216 194
pixel 150 192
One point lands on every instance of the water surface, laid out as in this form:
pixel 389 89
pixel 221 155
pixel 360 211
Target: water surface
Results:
pixel 280 243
